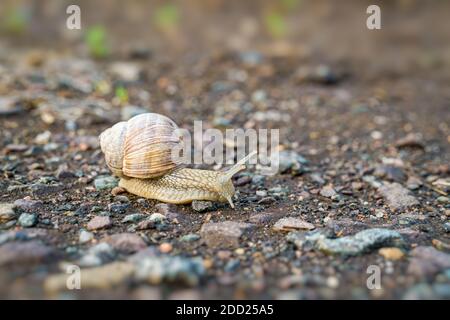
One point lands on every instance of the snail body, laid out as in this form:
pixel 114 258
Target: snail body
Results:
pixel 139 152
pixel 182 186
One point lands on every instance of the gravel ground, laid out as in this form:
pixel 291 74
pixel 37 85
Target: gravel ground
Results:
pixel 363 181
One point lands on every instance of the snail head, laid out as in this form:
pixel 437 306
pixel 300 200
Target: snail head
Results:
pixel 226 185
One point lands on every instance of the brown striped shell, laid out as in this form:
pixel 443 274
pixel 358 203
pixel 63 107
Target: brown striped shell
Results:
pixel 141 147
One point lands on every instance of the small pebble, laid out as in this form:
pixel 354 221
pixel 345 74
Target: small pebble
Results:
pixel 291 223
pixel 202 206
pixel 379 213
pixel 6 212
pixel 85 236
pixel 27 220
pixel 447 227
pixel 145 225
pixel 243 181
pixel 135 217
pixel 443 199
pixel 291 161
pixel 190 237
pixel 27 204
pixel 391 253
pixel 122 199
pixel 118 207
pixel 157 218
pixel 327 192
pixel 224 254
pixel 261 193
pixel 117 190
pixel 105 182
pixel 165 247
pixel 99 222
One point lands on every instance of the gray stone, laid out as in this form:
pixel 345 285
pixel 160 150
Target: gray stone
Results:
pixel 362 242
pixel 407 219
pixel 412 140
pixel 135 217
pixel 427 261
pixel 62 174
pixel 126 71
pixel 157 218
pixel 258 179
pixel 42 189
pixel 85 236
pixel 251 57
pixel 122 199
pixel 105 182
pixel 291 223
pixel 12 236
pixel 97 255
pixel 322 74
pixel 267 200
pixel 261 193
pixel 27 220
pixel 232 265
pixel 119 208
pixel 8 224
pixel 27 205
pixel 171 211
pixel 262 218
pixel 202 206
pixel 242 181
pixel 397 197
pixel 390 172
pixel 190 237
pixel 371 180
pixel 25 234
pixel 443 199
pixel 413 183
pixel 25 253
pixel 166 208
pixel 447 227
pixel 146 224
pixel 7 212
pixel 126 242
pixel 291 161
pixel 327 192
pixel 168 269
pixel 345 226
pixel 10 106
pixel 99 222
pixel 225 234
pixel 316 177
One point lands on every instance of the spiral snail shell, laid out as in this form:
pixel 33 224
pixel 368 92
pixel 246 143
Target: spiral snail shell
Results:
pixel 139 151
pixel 141 147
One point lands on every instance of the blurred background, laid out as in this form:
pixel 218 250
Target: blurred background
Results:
pixel 227 45
pixel 413 32
pixel 353 105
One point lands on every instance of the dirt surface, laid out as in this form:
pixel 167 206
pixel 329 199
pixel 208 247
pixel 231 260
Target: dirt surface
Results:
pixel 364 126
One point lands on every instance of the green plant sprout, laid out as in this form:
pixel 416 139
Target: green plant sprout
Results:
pixel 16 20
pixel 121 93
pixel 290 5
pixel 96 41
pixel 167 16
pixel 276 24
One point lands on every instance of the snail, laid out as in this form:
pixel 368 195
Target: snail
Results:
pixel 139 151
